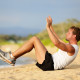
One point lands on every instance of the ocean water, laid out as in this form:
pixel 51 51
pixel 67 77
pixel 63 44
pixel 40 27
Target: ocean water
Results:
pixel 19 61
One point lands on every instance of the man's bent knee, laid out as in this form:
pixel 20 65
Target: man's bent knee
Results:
pixel 35 38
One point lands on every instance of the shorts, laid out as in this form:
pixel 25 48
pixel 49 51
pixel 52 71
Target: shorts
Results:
pixel 47 64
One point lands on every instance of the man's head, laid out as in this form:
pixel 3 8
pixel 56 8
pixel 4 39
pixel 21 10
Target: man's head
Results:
pixel 73 33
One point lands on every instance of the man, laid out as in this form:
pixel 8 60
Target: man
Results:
pixel 45 60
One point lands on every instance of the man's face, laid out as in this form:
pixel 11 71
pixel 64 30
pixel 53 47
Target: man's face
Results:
pixel 69 35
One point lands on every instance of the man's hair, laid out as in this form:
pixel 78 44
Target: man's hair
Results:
pixel 76 31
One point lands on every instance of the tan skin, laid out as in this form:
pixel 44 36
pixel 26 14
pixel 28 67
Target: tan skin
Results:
pixel 40 49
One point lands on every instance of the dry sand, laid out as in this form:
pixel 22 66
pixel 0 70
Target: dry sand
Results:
pixel 32 72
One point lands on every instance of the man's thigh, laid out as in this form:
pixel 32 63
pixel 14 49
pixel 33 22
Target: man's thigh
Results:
pixel 40 51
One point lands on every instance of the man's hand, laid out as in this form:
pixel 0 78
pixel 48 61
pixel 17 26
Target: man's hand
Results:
pixel 49 21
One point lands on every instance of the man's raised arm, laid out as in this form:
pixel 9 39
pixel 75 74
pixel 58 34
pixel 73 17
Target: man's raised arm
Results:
pixel 52 36
pixel 55 39
pixel 51 27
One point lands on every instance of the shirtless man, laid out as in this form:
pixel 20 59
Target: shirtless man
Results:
pixel 46 61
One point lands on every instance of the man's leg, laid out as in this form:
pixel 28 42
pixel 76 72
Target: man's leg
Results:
pixel 35 43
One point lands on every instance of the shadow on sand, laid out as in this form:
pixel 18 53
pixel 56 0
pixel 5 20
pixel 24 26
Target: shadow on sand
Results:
pixel 73 66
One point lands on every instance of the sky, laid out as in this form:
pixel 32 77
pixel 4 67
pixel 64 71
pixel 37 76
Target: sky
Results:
pixel 23 17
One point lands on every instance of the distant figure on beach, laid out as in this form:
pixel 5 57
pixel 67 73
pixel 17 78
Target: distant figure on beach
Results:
pixel 64 56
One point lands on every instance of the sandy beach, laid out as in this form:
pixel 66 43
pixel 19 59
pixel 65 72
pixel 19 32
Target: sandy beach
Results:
pixel 32 72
